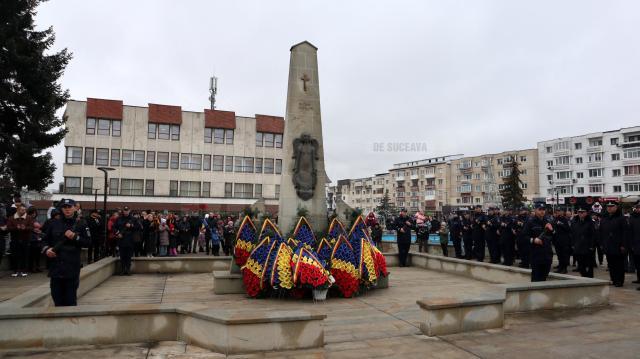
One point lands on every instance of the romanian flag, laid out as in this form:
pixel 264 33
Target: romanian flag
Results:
pixel 245 240
pixel 343 268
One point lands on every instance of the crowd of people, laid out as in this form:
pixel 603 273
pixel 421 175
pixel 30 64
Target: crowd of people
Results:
pixel 533 237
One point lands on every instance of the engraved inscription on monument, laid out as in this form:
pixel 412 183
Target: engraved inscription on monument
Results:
pixel 305 174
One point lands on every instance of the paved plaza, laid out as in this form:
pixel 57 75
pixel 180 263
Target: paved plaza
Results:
pixel 381 323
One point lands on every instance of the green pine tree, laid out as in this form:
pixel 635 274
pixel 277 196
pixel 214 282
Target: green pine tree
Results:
pixel 512 195
pixel 30 95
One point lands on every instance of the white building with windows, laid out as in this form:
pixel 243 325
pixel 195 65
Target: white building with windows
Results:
pixel 596 165
pixel 165 158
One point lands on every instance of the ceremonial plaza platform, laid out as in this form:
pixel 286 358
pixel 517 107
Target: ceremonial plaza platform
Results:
pixel 173 299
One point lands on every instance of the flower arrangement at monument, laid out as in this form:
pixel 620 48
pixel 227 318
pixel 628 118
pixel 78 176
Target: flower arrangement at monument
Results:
pixel 302 264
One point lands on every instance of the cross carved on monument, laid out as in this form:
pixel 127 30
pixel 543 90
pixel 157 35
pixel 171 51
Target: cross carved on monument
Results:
pixel 304 79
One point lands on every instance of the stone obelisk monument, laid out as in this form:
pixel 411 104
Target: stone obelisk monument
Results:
pixel 303 175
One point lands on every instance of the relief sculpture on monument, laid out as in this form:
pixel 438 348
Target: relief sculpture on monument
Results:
pixel 305 174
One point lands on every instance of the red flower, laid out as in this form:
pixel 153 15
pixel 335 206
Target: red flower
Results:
pixel 251 283
pixel 241 256
pixel 347 284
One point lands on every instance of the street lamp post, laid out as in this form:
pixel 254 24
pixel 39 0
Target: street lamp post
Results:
pixel 105 170
pixel 95 199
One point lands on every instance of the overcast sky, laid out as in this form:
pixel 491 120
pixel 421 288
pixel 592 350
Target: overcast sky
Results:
pixel 466 77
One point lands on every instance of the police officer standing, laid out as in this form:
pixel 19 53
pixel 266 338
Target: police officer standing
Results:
pixel 467 238
pixel 522 242
pixel 455 226
pixel 613 232
pixel 538 230
pixel 403 225
pixel 477 233
pixel 562 239
pixel 507 237
pixel 492 235
pixel 584 242
pixel 65 237
pixel 125 228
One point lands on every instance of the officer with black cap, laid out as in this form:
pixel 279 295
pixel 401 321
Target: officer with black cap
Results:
pixel 64 239
pixel 522 242
pixel 455 225
pixel 492 234
pixel 538 230
pixel 613 232
pixel 562 239
pixel 507 237
pixel 403 225
pixel 634 238
pixel 125 226
pixel 584 242
pixel 477 233
pixel 467 232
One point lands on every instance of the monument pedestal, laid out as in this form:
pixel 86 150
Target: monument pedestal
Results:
pixel 228 282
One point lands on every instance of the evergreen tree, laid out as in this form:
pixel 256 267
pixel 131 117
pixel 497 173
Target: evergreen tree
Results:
pixel 512 196
pixel 29 98
pixel 386 209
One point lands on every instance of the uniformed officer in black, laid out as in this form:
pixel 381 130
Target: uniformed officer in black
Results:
pixel 507 237
pixel 125 226
pixel 64 239
pixel 492 235
pixel 612 233
pixel 539 231
pixel 467 238
pixel 562 239
pixel 403 225
pixel 584 242
pixel 522 242
pixel 477 233
pixel 455 226
pixel 634 238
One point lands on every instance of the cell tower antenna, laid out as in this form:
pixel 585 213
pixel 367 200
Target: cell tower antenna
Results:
pixel 213 91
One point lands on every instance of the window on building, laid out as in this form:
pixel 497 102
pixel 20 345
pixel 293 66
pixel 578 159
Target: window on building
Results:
pixel 175 160
pixel 115 128
pixel 206 162
pixel 131 187
pixel 268 165
pixel 72 185
pixel 74 155
pixel 189 189
pixel 595 172
pixel 88 155
pixel 151 159
pixel 228 190
pixel 278 166
pixel 595 141
pixel 632 153
pixel 228 136
pixel 114 186
pixel 268 139
pixel 152 130
pixel 208 135
pixel 563 160
pixel 616 172
pixel 614 141
pixel 615 157
pixel 595 157
pixel 87 185
pixel 149 187
pixel 218 135
pixel 175 132
pixel 561 146
pixel 190 161
pixel 523 158
pixel 173 188
pixel 549 163
pixel 258 139
pixel 632 170
pixel 577 145
pixel 102 156
pixel 258 165
pixel 563 175
pixel 91 126
pixel 104 127
pixel 632 187
pixel 244 164
pixel 549 149
pixel 164 132
pixel 523 185
pixel 277 191
pixel 243 190
pixel 617 189
pixel 228 164
pixel 132 158
pixel 596 188
pixel 218 163
pixel 206 189
pixel 257 191
pixel 578 160
pixel 549 177
pixel 580 190
pixel 632 137
pixel 115 157
pixel 579 175
pixel 163 159
pixel 278 140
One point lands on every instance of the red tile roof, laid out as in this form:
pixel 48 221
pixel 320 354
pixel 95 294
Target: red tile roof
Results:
pixel 219 119
pixel 273 124
pixel 165 114
pixel 99 108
